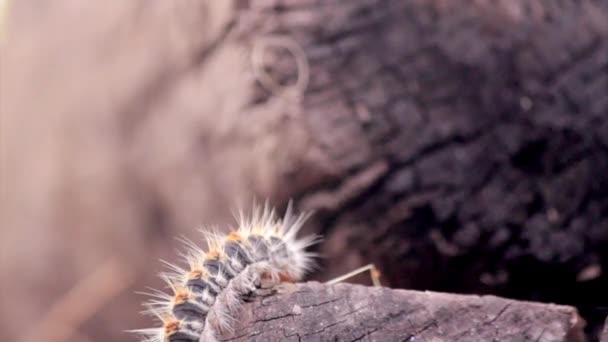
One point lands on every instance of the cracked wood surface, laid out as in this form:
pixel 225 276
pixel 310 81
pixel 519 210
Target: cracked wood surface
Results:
pixel 344 312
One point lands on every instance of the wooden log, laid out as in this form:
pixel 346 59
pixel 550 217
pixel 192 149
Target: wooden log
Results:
pixel 344 312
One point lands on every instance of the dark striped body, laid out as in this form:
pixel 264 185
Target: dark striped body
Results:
pixel 205 287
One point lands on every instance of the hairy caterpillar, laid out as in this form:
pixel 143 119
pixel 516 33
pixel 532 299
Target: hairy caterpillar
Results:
pixel 263 252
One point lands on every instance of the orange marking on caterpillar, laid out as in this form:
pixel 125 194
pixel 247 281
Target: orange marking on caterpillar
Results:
pixel 282 277
pixel 285 278
pixel 197 274
pixel 234 237
pixel 182 296
pixel 213 255
pixel 171 327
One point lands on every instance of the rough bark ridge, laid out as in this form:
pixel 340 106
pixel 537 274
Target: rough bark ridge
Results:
pixel 316 312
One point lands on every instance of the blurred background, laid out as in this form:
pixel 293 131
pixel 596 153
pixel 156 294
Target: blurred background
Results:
pixel 460 145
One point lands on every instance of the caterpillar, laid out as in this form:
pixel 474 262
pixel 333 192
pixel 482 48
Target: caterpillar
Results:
pixel 261 253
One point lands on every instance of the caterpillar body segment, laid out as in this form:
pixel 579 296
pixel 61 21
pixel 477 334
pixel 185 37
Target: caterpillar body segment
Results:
pixel 263 252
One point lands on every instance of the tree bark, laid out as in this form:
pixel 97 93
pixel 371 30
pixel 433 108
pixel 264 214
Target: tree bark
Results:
pixel 464 144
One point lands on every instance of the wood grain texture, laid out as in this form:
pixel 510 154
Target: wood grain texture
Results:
pixel 344 312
